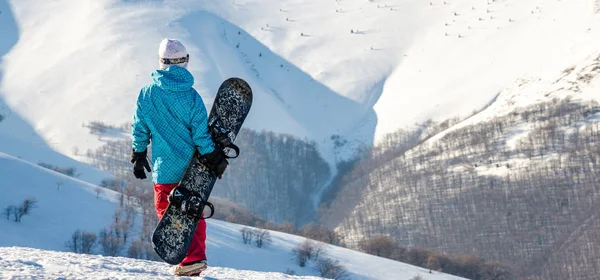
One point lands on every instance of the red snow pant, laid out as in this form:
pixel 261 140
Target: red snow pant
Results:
pixel 197 250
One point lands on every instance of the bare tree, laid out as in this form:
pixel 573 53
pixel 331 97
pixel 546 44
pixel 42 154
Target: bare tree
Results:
pixel 142 249
pixel 262 237
pixel 497 271
pixel 320 232
pixel 330 268
pixel 382 246
pixel 319 249
pixel 136 250
pixel 288 228
pixel 247 235
pixel 81 242
pixel 23 209
pixel 304 252
pixel 124 221
pixel 110 242
pixel 8 211
pixel 73 243
pixel 88 240
pixel 99 190
pixel 15 214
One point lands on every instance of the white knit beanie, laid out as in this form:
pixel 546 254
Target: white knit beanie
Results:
pixel 172 52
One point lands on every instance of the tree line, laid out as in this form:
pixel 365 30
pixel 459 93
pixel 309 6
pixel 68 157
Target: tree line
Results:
pixel 275 176
pixel 520 188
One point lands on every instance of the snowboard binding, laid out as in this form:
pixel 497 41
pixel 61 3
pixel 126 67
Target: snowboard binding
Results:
pixel 190 204
pixel 222 138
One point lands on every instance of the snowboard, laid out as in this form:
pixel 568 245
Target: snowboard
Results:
pixel 174 232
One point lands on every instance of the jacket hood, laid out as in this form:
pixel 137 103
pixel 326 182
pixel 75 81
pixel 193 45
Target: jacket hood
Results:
pixel 174 78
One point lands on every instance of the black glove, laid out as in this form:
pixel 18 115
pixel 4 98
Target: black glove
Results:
pixel 140 162
pixel 215 161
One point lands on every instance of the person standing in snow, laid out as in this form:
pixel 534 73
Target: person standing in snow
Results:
pixel 171 114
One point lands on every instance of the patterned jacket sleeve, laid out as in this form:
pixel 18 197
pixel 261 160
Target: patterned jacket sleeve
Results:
pixel 199 125
pixel 140 131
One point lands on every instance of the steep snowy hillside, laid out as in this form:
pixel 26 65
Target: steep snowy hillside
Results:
pixel 479 48
pixel 18 136
pixel 577 80
pixel 319 68
pixel 65 204
pixel 516 182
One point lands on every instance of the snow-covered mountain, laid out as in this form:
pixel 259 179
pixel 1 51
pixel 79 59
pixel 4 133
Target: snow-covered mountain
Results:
pixel 513 183
pixel 73 204
pixel 341 73
pixel 354 68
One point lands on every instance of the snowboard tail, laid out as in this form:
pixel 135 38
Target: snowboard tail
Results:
pixel 174 232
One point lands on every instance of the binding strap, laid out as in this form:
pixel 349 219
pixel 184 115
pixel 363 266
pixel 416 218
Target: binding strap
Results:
pixel 212 210
pixel 183 199
pixel 221 137
pixel 231 146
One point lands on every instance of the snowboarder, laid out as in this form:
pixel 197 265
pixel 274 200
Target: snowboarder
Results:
pixel 171 114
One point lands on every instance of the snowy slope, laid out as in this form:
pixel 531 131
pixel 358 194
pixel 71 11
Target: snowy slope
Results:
pixel 580 81
pixel 17 263
pixel 74 205
pixel 64 205
pixel 478 48
pixel 354 68
pixel 37 151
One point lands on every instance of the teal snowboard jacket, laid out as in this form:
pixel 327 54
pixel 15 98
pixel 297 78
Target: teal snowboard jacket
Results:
pixel 172 114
